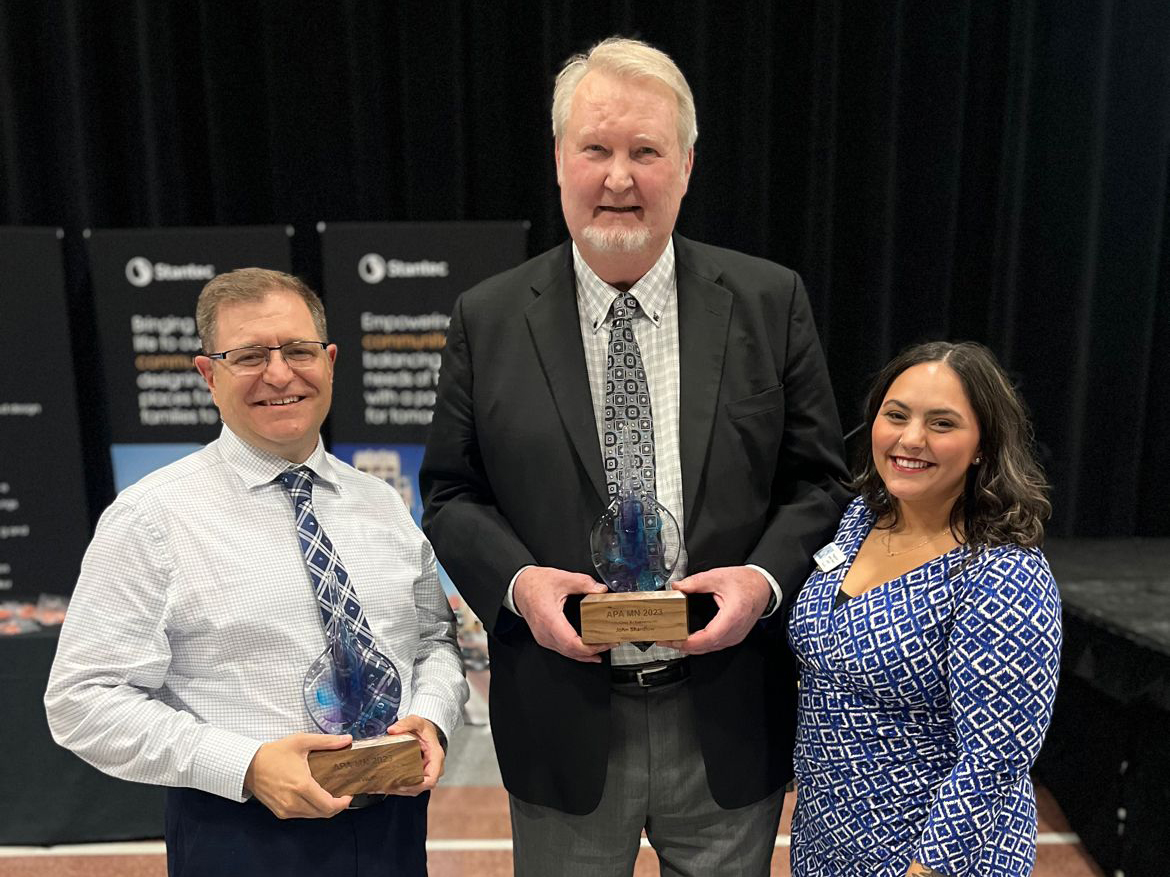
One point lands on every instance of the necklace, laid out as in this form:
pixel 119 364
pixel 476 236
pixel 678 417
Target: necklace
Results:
pixel 886 544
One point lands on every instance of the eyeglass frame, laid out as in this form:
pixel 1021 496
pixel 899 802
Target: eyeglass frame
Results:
pixel 223 354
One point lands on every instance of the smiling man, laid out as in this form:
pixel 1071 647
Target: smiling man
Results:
pixel 711 358
pixel 204 599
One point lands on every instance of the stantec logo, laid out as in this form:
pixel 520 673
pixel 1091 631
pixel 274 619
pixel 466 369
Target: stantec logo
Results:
pixel 142 272
pixel 372 268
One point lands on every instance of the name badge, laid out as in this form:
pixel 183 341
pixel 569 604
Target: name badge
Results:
pixel 829 557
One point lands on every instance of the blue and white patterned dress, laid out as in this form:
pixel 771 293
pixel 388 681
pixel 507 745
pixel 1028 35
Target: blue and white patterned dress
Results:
pixel 923 703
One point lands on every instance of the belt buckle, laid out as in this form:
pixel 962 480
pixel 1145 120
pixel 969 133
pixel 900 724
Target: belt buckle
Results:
pixel 361 800
pixel 641 674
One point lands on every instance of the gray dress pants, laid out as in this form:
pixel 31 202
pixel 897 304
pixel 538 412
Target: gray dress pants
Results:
pixel 655 781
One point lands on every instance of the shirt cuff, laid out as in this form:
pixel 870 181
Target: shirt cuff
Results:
pixel 440 711
pixel 777 594
pixel 221 763
pixel 510 604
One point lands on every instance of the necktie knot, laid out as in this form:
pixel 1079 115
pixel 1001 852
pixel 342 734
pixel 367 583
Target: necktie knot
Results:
pixel 298 481
pixel 625 307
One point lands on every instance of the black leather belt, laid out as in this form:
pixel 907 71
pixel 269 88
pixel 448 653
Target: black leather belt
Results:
pixel 650 675
pixel 363 800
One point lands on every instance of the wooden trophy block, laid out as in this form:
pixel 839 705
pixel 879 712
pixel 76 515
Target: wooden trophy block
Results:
pixel 635 616
pixel 375 765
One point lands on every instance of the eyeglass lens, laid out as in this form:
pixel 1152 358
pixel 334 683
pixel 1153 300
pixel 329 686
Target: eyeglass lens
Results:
pixel 297 354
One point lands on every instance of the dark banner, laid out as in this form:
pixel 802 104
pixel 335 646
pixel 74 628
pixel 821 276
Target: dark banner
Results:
pixel 389 289
pixel 44 524
pixel 145 283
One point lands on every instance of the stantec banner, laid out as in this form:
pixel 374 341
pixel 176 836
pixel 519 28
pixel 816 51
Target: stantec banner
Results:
pixel 389 289
pixel 44 524
pixel 145 283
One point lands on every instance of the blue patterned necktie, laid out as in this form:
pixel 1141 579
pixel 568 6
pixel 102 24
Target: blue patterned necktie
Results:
pixel 378 688
pixel 627 409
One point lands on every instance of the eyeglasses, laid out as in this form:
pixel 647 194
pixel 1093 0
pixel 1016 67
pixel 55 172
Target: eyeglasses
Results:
pixel 254 359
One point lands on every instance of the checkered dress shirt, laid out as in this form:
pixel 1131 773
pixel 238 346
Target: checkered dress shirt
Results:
pixel 194 619
pixel 656 329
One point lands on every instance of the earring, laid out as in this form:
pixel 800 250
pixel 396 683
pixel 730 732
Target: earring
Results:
pixel 977 461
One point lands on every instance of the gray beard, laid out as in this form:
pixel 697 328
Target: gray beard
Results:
pixel 617 240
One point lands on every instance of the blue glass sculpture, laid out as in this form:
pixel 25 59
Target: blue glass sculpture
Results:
pixel 635 543
pixel 351 688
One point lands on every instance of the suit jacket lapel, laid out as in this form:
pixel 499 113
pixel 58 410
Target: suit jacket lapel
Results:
pixel 556 333
pixel 704 314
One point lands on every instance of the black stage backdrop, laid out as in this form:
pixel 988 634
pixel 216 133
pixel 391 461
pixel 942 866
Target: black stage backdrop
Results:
pixel 985 170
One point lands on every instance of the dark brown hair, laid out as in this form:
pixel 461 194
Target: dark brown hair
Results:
pixel 1005 497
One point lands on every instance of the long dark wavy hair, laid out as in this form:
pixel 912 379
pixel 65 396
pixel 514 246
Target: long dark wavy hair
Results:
pixel 1005 497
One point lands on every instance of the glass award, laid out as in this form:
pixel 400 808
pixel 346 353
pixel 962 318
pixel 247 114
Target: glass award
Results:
pixel 635 545
pixel 351 688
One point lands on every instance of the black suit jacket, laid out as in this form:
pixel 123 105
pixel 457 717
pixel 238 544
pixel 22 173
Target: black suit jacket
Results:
pixel 513 476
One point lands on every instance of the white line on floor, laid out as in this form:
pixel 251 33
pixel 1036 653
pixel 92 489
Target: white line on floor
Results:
pixel 124 848
pixel 438 845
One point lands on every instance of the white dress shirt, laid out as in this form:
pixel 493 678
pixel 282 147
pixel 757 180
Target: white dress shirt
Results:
pixel 194 618
pixel 655 327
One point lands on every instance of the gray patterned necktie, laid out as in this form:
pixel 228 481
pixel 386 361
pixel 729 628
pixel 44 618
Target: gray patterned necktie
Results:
pixel 629 426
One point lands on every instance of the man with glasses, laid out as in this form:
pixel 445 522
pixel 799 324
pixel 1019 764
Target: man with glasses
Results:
pixel 206 596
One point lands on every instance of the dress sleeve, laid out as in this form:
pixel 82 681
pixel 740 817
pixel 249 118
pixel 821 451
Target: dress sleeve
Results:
pixel 807 492
pixel 476 543
pixel 440 689
pixel 1003 656
pixel 113 657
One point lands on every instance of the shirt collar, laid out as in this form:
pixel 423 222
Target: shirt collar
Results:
pixel 256 467
pixel 653 291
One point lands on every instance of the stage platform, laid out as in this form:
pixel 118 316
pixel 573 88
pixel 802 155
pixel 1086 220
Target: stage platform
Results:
pixel 1107 757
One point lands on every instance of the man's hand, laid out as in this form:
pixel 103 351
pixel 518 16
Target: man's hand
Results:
pixel 741 594
pixel 279 777
pixel 540 595
pixel 432 752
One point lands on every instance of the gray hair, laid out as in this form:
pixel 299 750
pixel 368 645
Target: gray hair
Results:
pixel 247 285
pixel 631 59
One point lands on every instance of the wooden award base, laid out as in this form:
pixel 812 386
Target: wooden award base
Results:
pixel 636 616
pixel 378 764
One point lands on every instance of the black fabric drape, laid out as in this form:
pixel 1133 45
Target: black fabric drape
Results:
pixel 982 170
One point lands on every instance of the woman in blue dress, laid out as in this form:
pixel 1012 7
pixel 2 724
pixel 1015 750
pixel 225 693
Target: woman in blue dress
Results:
pixel 929 637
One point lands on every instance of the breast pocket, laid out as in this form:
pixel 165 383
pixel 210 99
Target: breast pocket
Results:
pixel 758 421
pixel 769 401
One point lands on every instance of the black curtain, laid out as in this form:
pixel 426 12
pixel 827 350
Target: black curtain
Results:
pixel 966 170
